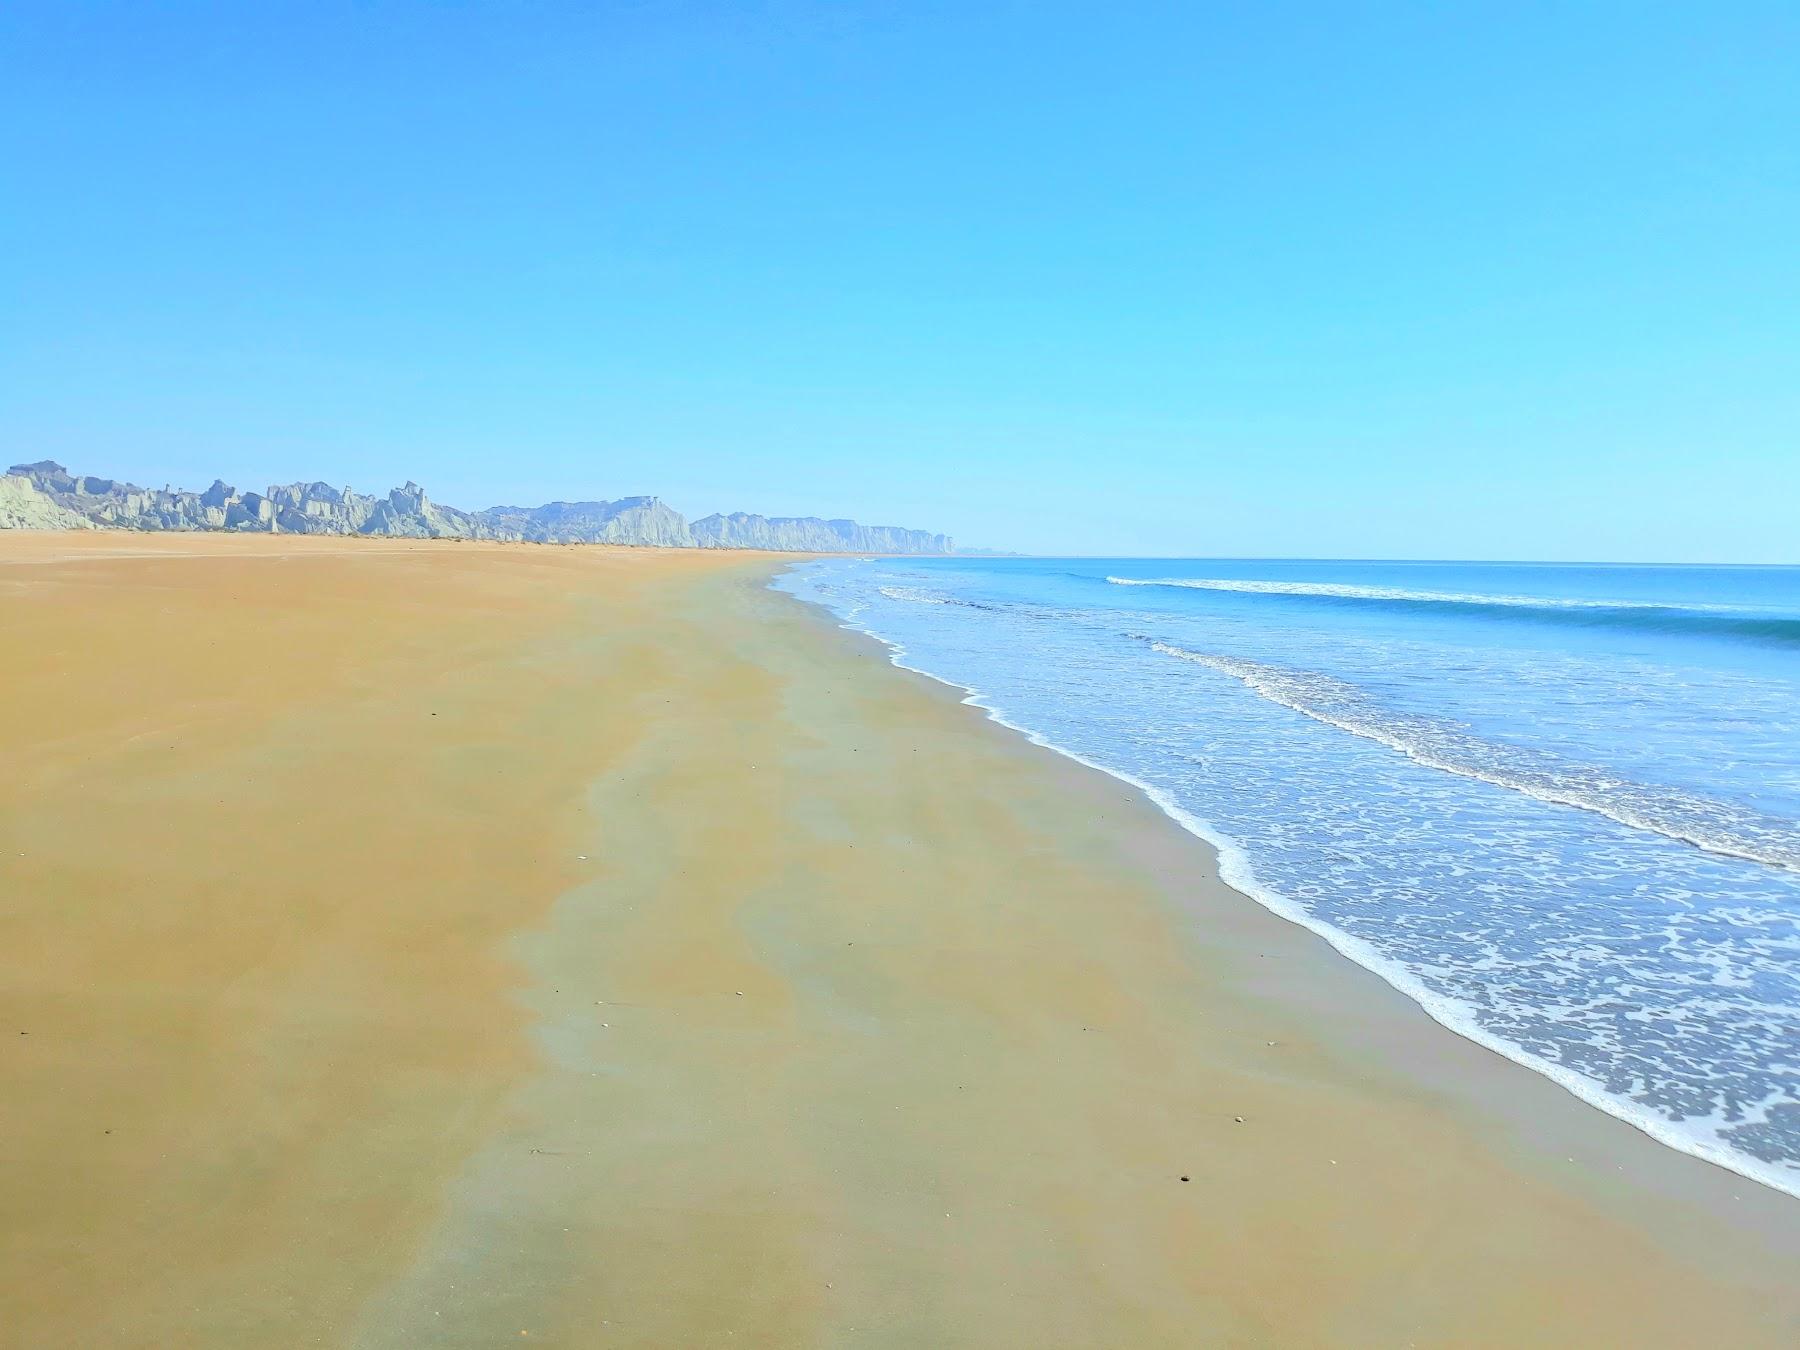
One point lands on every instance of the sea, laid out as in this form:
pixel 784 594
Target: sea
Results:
pixel 1557 805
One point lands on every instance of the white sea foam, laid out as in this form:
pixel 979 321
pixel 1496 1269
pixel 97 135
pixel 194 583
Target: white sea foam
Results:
pixel 912 595
pixel 915 595
pixel 1717 827
pixel 1345 591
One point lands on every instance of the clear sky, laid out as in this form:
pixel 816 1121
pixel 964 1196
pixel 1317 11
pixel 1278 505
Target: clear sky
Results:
pixel 1434 280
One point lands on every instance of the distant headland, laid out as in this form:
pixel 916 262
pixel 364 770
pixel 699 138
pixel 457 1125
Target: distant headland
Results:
pixel 46 496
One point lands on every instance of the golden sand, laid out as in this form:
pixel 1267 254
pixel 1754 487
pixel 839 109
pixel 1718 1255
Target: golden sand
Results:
pixel 413 945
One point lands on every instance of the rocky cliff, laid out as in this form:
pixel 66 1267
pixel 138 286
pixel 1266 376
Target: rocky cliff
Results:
pixel 809 534
pixel 630 520
pixel 327 510
pixel 47 496
pixel 25 506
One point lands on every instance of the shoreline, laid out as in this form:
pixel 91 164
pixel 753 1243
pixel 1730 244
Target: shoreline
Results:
pixel 1693 1175
pixel 601 945
pixel 1237 871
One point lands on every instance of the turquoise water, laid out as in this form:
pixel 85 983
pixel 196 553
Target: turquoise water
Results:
pixel 1558 805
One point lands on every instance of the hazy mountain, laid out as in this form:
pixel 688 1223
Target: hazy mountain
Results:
pixel 809 534
pixel 45 495
pixel 630 520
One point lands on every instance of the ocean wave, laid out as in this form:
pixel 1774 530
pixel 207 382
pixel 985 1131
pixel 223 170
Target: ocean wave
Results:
pixel 1716 827
pixel 1704 1135
pixel 1739 621
pixel 1347 591
pixel 913 595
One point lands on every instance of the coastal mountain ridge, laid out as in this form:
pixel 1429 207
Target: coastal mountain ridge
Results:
pixel 46 496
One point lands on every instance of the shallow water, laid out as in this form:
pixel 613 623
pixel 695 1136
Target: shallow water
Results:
pixel 1558 805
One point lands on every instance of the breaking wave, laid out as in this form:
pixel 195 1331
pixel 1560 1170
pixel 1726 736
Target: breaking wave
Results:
pixel 1735 621
pixel 1715 826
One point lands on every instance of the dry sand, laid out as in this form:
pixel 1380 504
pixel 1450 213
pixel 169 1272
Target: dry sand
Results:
pixel 860 1022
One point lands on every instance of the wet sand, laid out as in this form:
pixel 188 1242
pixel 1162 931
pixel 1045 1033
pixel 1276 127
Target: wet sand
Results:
pixel 410 944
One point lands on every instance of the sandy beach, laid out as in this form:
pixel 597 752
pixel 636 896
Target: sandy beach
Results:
pixel 409 944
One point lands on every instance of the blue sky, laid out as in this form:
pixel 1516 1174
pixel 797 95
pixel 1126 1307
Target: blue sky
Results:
pixel 1499 281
